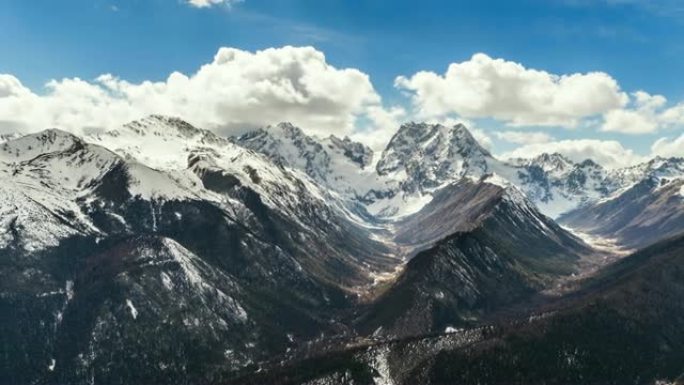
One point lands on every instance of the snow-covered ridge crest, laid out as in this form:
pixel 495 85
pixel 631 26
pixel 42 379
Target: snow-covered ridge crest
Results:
pixel 52 179
pixel 554 162
pixel 41 177
pixel 186 154
pixel 558 185
pixel 158 141
pixel 422 158
pixel 290 145
pixel 656 168
pixel 19 149
pixel 340 165
pixel 160 125
pixel 287 145
pixel 170 144
pixel 419 160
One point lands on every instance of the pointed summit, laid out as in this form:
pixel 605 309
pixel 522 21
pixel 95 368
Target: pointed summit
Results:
pixel 288 145
pixel 433 154
pixel 435 139
pixel 288 129
pixel 555 162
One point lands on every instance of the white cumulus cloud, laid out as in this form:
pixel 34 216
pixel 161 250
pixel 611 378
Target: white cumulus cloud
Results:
pixel 236 91
pixel 667 147
pixel 629 122
pixel 210 3
pixel 608 153
pixel 483 87
pixel 524 137
pixel 645 114
pixel 641 118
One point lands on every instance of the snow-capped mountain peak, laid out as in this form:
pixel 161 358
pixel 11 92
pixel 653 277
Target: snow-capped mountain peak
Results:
pixel 552 162
pixel 288 145
pixel 355 151
pixel 656 169
pixel 160 125
pixel 158 141
pixel 556 184
pixel 665 167
pixel 340 165
pixel 419 159
pixel 426 156
pixel 32 145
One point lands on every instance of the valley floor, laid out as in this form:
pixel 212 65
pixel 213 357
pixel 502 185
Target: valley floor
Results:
pixel 606 251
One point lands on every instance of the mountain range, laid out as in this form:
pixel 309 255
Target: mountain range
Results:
pixel 161 252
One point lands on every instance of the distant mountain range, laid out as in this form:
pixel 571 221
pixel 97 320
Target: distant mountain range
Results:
pixel 161 252
pixel 422 158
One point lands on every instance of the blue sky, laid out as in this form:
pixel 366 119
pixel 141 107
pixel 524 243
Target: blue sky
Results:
pixel 638 43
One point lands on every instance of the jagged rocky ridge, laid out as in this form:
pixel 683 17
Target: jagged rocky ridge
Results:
pixel 422 158
pixel 239 253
